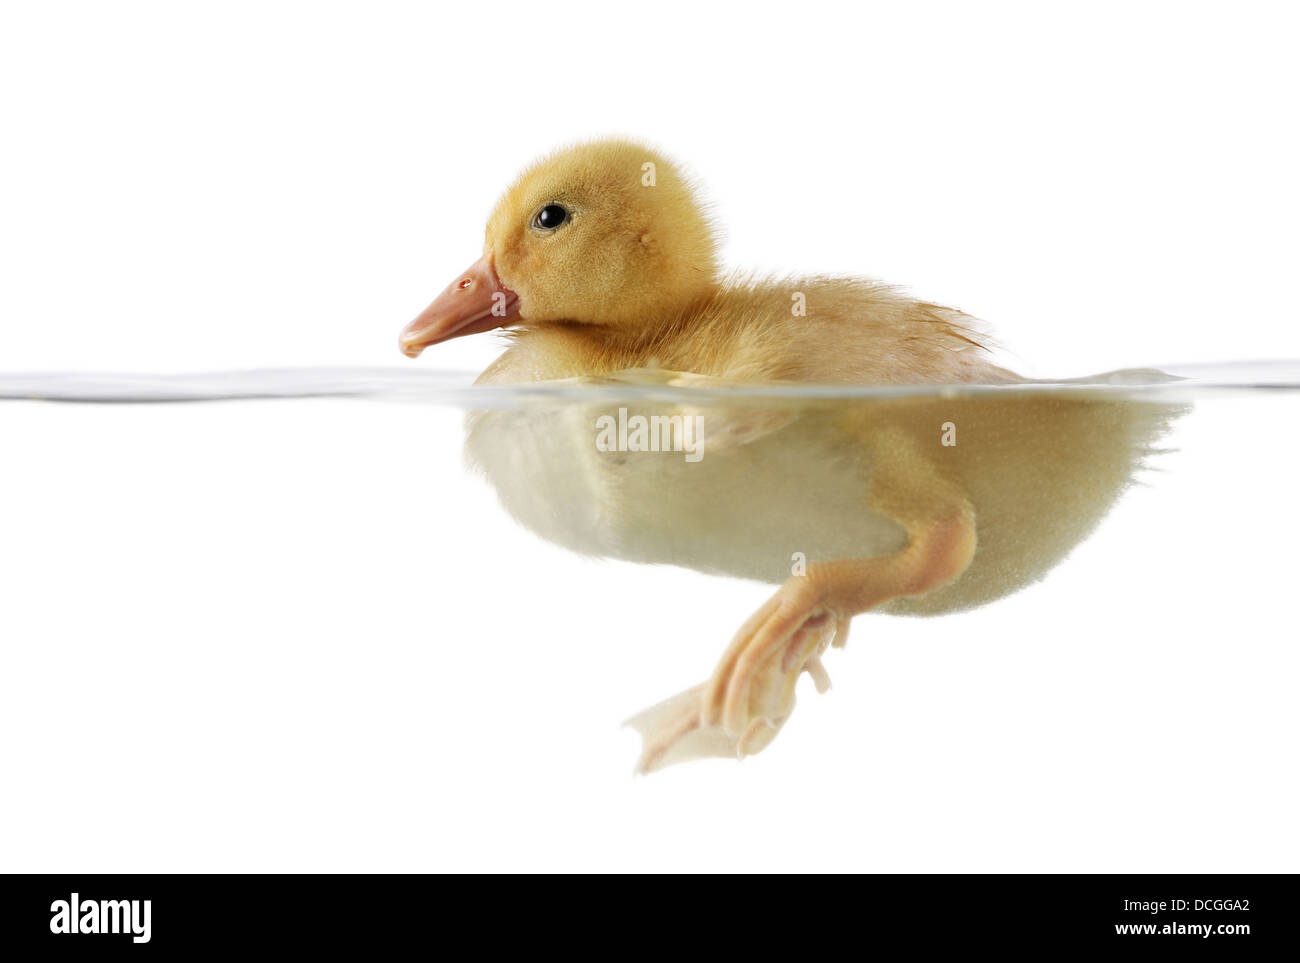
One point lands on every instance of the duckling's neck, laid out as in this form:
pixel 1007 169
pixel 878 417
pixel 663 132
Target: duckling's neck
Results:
pixel 565 349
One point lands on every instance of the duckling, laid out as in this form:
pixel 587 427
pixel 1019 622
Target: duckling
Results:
pixel 601 263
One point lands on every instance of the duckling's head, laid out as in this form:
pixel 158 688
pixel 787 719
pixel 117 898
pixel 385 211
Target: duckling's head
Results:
pixel 607 232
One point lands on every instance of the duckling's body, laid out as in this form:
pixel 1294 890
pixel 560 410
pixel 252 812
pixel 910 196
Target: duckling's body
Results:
pixel 746 509
pixel 919 504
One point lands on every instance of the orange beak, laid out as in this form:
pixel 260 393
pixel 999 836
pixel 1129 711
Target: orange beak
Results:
pixel 476 301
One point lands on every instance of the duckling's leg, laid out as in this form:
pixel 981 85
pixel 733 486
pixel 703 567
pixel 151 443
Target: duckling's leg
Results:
pixel 751 694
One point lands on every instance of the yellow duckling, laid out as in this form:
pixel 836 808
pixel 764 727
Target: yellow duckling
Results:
pixel 603 264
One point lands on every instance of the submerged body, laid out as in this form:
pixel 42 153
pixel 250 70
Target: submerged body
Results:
pixel 1040 471
pixel 601 263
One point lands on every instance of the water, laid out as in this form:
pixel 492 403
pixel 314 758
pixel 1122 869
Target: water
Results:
pixel 1169 382
pixel 309 615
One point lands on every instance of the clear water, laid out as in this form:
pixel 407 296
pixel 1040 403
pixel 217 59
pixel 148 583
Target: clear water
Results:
pixel 1169 382
pixel 310 615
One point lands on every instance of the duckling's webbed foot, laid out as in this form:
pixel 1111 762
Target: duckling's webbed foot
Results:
pixel 673 731
pixel 752 692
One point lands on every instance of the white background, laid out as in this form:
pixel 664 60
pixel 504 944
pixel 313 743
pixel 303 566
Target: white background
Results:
pixel 299 637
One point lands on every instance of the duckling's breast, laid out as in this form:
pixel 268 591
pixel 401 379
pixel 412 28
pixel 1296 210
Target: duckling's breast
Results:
pixel 752 494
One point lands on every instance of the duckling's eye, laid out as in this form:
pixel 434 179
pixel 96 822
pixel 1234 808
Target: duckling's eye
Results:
pixel 550 217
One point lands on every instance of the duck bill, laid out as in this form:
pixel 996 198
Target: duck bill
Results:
pixel 476 301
